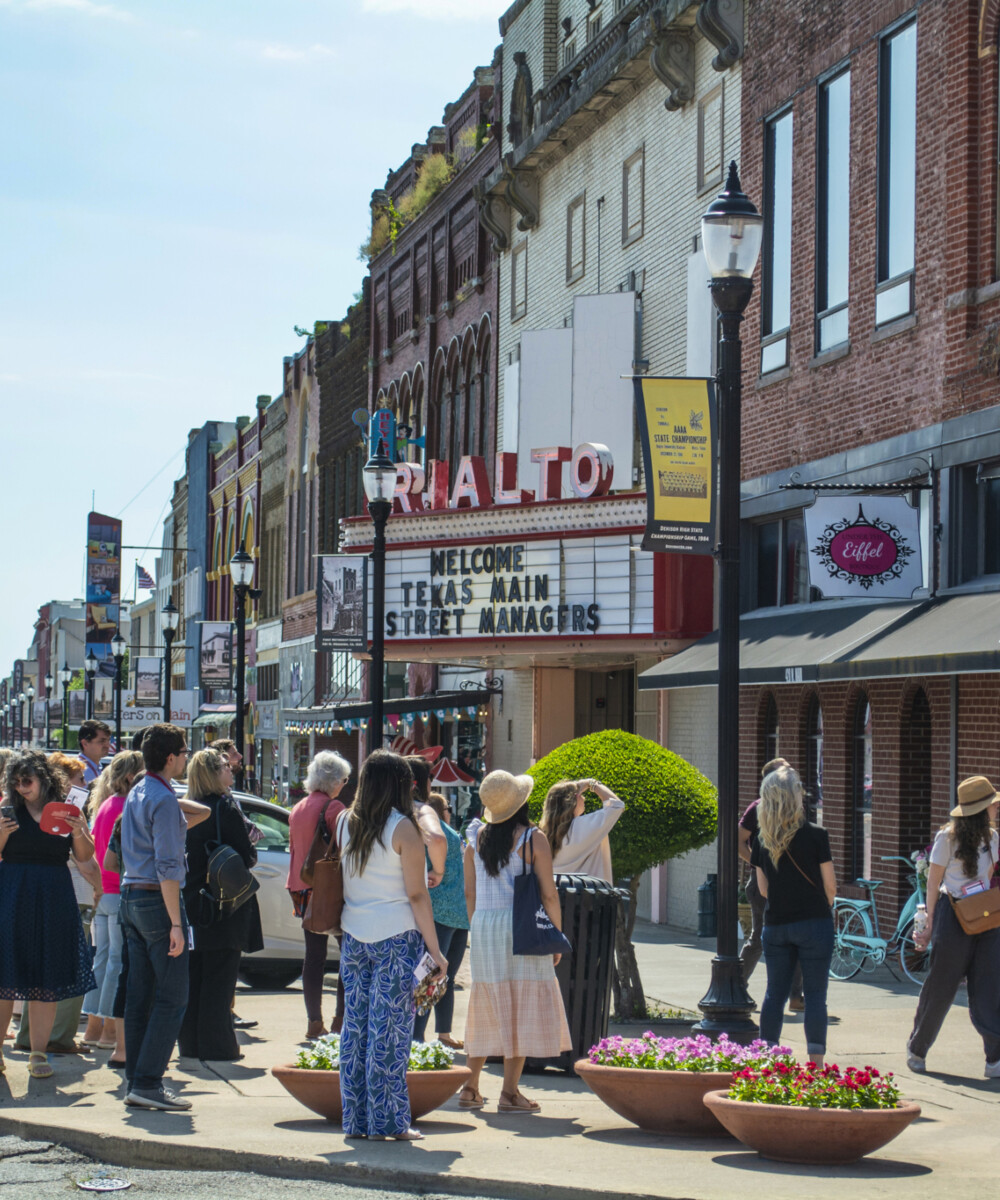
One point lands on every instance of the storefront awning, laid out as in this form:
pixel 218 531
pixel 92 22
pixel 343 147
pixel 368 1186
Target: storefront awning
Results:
pixel 215 716
pixel 462 703
pixel 803 646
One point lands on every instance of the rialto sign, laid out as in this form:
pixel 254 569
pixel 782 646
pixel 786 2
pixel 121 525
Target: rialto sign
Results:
pixel 520 586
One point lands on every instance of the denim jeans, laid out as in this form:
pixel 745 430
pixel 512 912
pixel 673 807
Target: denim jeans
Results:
pixel 810 945
pixel 452 943
pixel 157 991
pixel 107 935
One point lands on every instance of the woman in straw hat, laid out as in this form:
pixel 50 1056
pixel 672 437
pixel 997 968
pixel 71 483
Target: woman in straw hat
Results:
pixel 962 861
pixel 515 1007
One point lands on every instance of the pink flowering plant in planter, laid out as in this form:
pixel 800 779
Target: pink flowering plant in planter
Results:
pixel 810 1086
pixel 700 1053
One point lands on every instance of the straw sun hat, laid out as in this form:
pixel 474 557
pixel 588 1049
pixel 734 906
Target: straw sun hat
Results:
pixel 974 794
pixel 502 794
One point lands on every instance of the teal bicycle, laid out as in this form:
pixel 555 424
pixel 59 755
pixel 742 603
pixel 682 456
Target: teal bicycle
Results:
pixel 858 943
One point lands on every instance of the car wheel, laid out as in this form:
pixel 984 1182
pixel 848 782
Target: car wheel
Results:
pixel 270 977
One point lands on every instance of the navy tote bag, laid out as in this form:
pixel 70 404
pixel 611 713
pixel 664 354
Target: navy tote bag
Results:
pixel 534 933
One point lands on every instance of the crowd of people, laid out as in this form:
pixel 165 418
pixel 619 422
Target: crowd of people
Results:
pixel 108 914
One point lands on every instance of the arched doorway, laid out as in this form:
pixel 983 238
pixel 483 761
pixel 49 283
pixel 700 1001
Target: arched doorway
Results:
pixel 914 782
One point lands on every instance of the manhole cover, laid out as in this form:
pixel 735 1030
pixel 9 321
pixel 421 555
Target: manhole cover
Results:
pixel 103 1183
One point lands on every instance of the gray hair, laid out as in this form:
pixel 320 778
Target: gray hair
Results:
pixel 326 770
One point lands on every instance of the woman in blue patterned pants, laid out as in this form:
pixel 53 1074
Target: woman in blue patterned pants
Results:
pixel 387 920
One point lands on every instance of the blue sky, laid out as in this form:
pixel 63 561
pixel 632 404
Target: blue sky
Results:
pixel 180 184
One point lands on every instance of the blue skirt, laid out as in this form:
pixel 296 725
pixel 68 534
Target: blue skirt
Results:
pixel 43 952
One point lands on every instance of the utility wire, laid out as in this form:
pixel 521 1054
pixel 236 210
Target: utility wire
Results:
pixel 151 479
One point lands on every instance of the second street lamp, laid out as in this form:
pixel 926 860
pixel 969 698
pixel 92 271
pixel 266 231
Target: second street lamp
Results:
pixel 21 701
pixel 65 678
pixel 380 482
pixel 118 648
pixel 30 725
pixel 731 232
pixel 170 618
pixel 90 666
pixel 241 569
pixel 49 684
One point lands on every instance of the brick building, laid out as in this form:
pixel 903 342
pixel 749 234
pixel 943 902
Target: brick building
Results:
pixel 272 561
pixel 870 360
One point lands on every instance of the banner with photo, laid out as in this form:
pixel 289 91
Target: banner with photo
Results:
pixel 216 654
pixel 104 698
pixel 77 706
pixel 678 431
pixel 104 569
pixel 342 609
pixel 148 679
pixel 864 546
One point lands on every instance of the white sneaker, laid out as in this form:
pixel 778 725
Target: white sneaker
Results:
pixel 992 1070
pixel 915 1062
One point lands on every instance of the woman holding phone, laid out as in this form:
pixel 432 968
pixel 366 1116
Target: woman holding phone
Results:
pixel 44 956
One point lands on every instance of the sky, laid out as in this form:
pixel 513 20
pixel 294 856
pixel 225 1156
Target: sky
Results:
pixel 181 183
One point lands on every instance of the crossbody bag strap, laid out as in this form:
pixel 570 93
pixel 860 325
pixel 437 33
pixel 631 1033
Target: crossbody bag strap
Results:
pixel 800 871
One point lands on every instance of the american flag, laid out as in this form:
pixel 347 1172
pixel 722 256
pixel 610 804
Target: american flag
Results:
pixel 145 579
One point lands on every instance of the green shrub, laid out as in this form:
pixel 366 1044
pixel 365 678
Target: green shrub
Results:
pixel 670 807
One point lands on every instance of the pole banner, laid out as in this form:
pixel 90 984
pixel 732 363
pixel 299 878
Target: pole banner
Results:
pixel 148 677
pixel 678 430
pixel 216 654
pixel 342 611
pixel 104 569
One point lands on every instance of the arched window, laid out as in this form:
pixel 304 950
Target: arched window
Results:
pixel 770 731
pixel 442 419
pixel 455 415
pixel 418 419
pixel 814 761
pixel 471 408
pixel 227 597
pixel 861 791
pixel 304 436
pixel 484 401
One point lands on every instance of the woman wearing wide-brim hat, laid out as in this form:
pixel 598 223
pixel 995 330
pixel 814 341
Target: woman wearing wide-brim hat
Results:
pixel 963 856
pixel 515 1006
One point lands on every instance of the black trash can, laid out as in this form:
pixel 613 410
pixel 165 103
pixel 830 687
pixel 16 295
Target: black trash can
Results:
pixel 589 914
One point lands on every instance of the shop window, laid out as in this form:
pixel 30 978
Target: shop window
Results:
pixel 861 792
pixel 976 522
pixel 711 139
pixel 575 262
pixel 814 761
pixel 633 184
pixel 268 681
pixel 897 177
pixel 776 260
pixel 833 163
pixel 782 566
pixel 771 731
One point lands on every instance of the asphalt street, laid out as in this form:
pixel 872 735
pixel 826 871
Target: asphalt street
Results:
pixel 44 1170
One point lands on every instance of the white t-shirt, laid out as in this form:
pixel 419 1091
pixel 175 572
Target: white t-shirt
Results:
pixel 955 878
pixel 586 849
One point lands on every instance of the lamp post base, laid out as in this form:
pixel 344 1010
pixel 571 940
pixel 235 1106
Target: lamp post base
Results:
pixel 726 1006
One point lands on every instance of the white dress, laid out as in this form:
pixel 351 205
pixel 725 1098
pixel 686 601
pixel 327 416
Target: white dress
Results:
pixel 515 1006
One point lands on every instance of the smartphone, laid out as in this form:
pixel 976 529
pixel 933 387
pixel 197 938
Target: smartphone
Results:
pixel 7 812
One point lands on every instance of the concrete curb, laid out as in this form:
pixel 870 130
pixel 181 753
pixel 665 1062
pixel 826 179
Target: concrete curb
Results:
pixel 116 1150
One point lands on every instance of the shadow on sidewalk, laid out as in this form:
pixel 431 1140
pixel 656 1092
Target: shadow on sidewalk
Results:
pixel 867 1168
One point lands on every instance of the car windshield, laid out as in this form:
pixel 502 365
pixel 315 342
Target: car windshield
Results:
pixel 273 827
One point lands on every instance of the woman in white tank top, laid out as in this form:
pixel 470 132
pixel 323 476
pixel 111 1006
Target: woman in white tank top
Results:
pixel 387 921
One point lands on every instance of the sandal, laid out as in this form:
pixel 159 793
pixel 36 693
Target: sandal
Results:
pixel 478 1099
pixel 38 1065
pixel 452 1043
pixel 509 1103
pixel 105 1045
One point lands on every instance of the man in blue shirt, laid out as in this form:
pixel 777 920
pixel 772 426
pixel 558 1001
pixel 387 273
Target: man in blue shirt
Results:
pixel 152 916
pixel 94 738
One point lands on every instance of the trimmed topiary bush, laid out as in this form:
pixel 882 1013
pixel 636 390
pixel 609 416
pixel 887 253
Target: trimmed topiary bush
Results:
pixel 670 808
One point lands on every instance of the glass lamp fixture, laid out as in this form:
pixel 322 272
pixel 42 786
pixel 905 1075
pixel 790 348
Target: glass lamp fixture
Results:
pixel 241 568
pixel 170 618
pixel 731 232
pixel 379 475
pixel 118 645
pixel 65 675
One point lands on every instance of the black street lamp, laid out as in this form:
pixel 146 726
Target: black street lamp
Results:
pixel 3 724
pixel 90 667
pixel 241 569
pixel 65 678
pixel 379 477
pixel 118 648
pixel 170 618
pixel 731 233
pixel 49 684
pixel 30 722
pixel 21 701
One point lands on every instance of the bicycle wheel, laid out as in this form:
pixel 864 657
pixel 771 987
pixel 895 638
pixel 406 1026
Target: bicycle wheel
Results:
pixel 847 959
pixel 914 961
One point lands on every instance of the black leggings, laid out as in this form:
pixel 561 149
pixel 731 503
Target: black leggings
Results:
pixel 313 969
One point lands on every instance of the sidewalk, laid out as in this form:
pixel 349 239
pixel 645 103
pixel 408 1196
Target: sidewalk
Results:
pixel 243 1120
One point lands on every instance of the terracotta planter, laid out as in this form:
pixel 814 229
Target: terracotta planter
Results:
pixel 660 1101
pixel 320 1090
pixel 819 1136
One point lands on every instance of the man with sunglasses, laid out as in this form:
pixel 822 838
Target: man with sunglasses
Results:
pixel 154 828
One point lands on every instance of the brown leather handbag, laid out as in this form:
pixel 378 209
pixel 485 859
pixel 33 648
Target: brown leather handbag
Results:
pixel 980 912
pixel 326 900
pixel 317 847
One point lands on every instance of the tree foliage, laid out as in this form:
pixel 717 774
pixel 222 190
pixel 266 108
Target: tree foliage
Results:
pixel 670 807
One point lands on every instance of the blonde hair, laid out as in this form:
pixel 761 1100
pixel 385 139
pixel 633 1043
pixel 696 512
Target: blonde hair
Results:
pixel 204 774
pixel 780 814
pixel 100 790
pixel 558 813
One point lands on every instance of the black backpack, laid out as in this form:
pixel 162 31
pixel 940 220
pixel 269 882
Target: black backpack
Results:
pixel 229 882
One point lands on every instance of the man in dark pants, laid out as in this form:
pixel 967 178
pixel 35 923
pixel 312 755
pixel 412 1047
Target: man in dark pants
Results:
pixel 751 952
pixel 153 869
